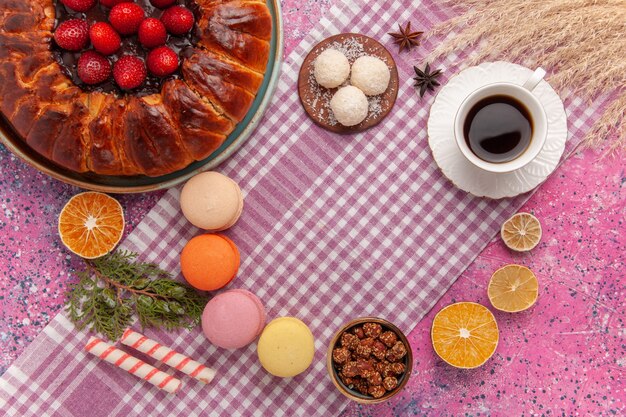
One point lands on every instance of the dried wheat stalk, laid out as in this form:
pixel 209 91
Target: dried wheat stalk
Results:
pixel 581 42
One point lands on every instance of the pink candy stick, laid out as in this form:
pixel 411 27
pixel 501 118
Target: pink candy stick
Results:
pixel 132 365
pixel 168 356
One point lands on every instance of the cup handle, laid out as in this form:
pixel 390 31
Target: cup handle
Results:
pixel 534 79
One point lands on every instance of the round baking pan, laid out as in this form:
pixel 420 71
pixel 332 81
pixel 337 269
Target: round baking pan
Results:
pixel 137 184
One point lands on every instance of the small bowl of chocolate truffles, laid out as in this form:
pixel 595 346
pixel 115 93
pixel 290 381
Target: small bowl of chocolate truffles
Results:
pixel 369 360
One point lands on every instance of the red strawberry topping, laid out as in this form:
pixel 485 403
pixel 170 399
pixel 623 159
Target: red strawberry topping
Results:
pixel 162 4
pixel 72 34
pixel 104 38
pixel 79 5
pixel 93 68
pixel 178 20
pixel 129 72
pixel 111 3
pixel 126 17
pixel 152 33
pixel 162 61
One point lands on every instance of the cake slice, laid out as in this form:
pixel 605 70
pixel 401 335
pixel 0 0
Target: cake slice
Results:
pixel 230 99
pixel 202 128
pixel 152 142
pixel 225 34
pixel 106 155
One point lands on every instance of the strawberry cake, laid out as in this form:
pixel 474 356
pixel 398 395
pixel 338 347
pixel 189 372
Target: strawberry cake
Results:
pixel 123 88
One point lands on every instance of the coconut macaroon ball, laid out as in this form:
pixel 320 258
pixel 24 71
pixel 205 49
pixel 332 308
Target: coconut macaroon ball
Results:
pixel 331 68
pixel 371 75
pixel 349 105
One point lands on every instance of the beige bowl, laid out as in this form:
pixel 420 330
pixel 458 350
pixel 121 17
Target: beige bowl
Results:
pixel 353 394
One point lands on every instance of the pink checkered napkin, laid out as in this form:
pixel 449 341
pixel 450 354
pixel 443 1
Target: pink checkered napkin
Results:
pixel 334 228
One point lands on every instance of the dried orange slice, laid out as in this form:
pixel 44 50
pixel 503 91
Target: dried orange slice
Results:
pixel 91 224
pixel 465 334
pixel 513 288
pixel 522 232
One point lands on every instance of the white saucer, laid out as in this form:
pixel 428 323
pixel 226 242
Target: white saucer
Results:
pixel 459 170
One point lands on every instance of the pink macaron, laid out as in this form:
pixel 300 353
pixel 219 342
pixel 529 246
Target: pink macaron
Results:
pixel 233 319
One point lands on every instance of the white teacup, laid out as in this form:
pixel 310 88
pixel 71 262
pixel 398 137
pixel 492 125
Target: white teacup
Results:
pixel 522 93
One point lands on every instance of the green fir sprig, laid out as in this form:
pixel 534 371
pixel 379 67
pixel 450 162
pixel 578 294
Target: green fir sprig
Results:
pixel 113 288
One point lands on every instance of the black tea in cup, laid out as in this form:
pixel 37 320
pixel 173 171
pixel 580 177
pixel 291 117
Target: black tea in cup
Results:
pixel 498 129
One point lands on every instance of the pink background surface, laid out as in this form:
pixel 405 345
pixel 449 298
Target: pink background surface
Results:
pixel 565 356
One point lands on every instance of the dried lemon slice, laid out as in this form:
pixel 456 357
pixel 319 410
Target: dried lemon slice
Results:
pixel 465 334
pixel 91 224
pixel 522 232
pixel 513 288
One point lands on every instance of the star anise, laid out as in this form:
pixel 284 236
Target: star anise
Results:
pixel 405 38
pixel 426 80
